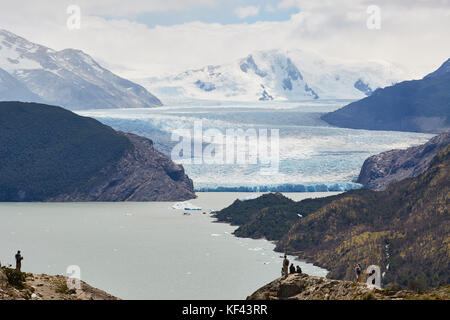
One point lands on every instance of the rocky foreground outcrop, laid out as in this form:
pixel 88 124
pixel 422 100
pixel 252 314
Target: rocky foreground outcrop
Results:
pixel 382 169
pixel 45 287
pixel 305 287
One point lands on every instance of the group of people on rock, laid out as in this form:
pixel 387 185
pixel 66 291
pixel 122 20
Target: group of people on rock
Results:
pixel 286 270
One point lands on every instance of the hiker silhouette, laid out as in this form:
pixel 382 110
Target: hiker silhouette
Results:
pixel 285 266
pixel 19 259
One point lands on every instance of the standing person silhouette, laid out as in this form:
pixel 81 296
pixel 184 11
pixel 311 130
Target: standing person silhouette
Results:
pixel 19 259
pixel 285 266
pixel 358 271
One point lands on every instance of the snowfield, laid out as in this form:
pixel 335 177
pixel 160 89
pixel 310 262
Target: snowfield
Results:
pixel 278 75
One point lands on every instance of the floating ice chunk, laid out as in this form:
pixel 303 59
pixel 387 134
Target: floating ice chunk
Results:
pixel 255 249
pixel 185 206
pixel 215 235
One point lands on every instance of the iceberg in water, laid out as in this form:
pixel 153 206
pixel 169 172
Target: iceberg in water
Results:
pixel 185 205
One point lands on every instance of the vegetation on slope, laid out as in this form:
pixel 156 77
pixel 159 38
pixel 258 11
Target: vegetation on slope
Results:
pixel 269 216
pixel 404 229
pixel 46 150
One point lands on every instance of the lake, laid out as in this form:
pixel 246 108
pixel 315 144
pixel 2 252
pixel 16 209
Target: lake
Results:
pixel 143 250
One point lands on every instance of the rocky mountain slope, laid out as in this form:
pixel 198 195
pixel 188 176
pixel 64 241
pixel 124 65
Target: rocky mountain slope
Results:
pixel 45 287
pixel 51 154
pixel 380 170
pixel 69 78
pixel 404 229
pixel 278 75
pixel 304 287
pixel 417 106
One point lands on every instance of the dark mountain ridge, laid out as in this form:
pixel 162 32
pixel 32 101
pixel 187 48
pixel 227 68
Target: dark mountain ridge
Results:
pixel 50 154
pixel 416 106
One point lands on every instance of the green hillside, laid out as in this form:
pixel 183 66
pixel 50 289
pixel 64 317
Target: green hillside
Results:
pixel 404 229
pixel 46 150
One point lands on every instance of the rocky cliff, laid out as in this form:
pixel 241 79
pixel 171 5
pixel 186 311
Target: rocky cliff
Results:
pixel 45 287
pixel 304 287
pixel 380 170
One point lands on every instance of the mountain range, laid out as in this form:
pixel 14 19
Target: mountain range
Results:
pixel 278 75
pixel 69 78
pixel 417 106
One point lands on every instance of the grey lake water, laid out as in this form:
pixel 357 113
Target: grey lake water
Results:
pixel 143 250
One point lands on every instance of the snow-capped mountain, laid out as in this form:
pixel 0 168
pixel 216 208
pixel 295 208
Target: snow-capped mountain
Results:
pixel 279 75
pixel 68 78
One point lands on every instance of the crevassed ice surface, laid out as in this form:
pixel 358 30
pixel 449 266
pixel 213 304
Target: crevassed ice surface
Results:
pixel 313 155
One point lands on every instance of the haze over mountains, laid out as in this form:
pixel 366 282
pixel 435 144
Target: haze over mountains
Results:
pixel 69 78
pixel 279 75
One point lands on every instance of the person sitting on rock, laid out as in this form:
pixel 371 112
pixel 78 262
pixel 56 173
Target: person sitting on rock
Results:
pixel 292 269
pixel 298 269
pixel 285 266
pixel 19 259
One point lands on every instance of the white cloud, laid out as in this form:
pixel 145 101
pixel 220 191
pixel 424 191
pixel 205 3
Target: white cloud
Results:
pixel 286 4
pixel 244 12
pixel 413 33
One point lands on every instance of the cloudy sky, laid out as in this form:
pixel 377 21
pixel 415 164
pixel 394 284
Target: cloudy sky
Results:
pixel 144 38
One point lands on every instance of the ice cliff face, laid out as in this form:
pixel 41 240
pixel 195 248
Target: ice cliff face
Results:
pixel 69 78
pixel 278 75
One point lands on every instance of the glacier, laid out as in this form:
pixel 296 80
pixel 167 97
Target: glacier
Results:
pixel 314 157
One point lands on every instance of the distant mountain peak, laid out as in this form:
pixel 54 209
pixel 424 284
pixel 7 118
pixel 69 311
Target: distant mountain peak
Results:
pixel 70 78
pixel 278 75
